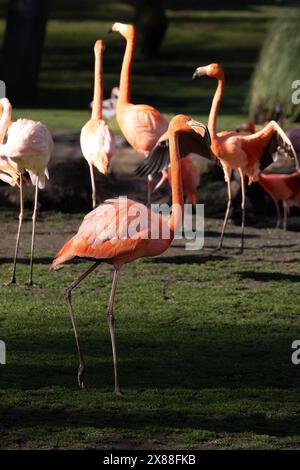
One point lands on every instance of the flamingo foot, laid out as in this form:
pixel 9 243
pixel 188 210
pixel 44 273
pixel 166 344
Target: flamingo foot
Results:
pixel 11 282
pixel 118 392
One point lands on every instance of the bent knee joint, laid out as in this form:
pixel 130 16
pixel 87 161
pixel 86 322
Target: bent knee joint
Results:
pixel 67 294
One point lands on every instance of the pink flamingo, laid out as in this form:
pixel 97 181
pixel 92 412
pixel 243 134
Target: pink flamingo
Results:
pixel 236 151
pixel 96 139
pixel 28 148
pixel 141 124
pixel 103 234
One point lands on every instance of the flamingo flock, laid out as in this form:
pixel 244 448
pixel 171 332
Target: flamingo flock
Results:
pixel 104 235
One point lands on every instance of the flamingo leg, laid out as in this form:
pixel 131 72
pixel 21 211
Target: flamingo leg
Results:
pixel 111 325
pixel 93 185
pixel 21 215
pixel 285 214
pixel 149 190
pixel 243 208
pixel 68 299
pixel 30 283
pixel 278 221
pixel 226 214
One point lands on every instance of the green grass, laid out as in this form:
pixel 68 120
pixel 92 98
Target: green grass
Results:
pixel 204 352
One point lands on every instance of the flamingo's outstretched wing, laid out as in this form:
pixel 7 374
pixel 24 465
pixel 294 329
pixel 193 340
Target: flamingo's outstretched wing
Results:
pixel 277 155
pixel 157 160
pixel 189 141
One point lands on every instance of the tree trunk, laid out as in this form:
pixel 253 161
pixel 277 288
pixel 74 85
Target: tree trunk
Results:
pixel 22 49
pixel 151 24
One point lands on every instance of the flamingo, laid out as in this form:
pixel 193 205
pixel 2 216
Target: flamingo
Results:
pixel 236 151
pixel 141 124
pixel 190 179
pixel 96 139
pixel 28 148
pixel 103 234
pixel 278 181
pixel 8 171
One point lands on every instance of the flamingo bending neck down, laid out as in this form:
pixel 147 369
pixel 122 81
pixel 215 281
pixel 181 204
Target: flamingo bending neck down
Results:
pixel 28 148
pixel 103 234
pixel 96 139
pixel 141 124
pixel 236 151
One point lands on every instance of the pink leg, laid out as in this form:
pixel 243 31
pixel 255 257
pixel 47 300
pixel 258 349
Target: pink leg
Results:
pixel 243 208
pixel 68 298
pixel 21 215
pixel 93 185
pixel 278 221
pixel 226 214
pixel 111 325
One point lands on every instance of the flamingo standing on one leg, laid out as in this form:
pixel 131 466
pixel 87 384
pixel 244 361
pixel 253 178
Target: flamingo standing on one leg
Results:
pixel 278 181
pixel 236 151
pixel 28 148
pixel 96 139
pixel 104 236
pixel 141 125
pixel 190 179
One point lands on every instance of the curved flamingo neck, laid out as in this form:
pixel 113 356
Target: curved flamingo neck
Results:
pixel 212 119
pixel 98 86
pixel 5 120
pixel 124 96
pixel 175 222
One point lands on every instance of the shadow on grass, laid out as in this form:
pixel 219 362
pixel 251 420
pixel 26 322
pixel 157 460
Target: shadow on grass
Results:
pixel 139 421
pixel 25 261
pixel 215 234
pixel 217 370
pixel 269 277
pixel 187 259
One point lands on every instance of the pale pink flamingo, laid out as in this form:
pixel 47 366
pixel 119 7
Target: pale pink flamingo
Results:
pixel 103 234
pixel 28 148
pixel 141 124
pixel 236 151
pixel 96 139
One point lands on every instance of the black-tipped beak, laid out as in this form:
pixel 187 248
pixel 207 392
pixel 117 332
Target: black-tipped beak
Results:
pixel 109 31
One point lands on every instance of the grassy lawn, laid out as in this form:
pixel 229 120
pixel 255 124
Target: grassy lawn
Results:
pixel 204 342
pixel 204 348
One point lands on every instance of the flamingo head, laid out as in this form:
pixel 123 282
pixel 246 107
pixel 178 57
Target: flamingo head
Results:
pixel 211 70
pixel 127 30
